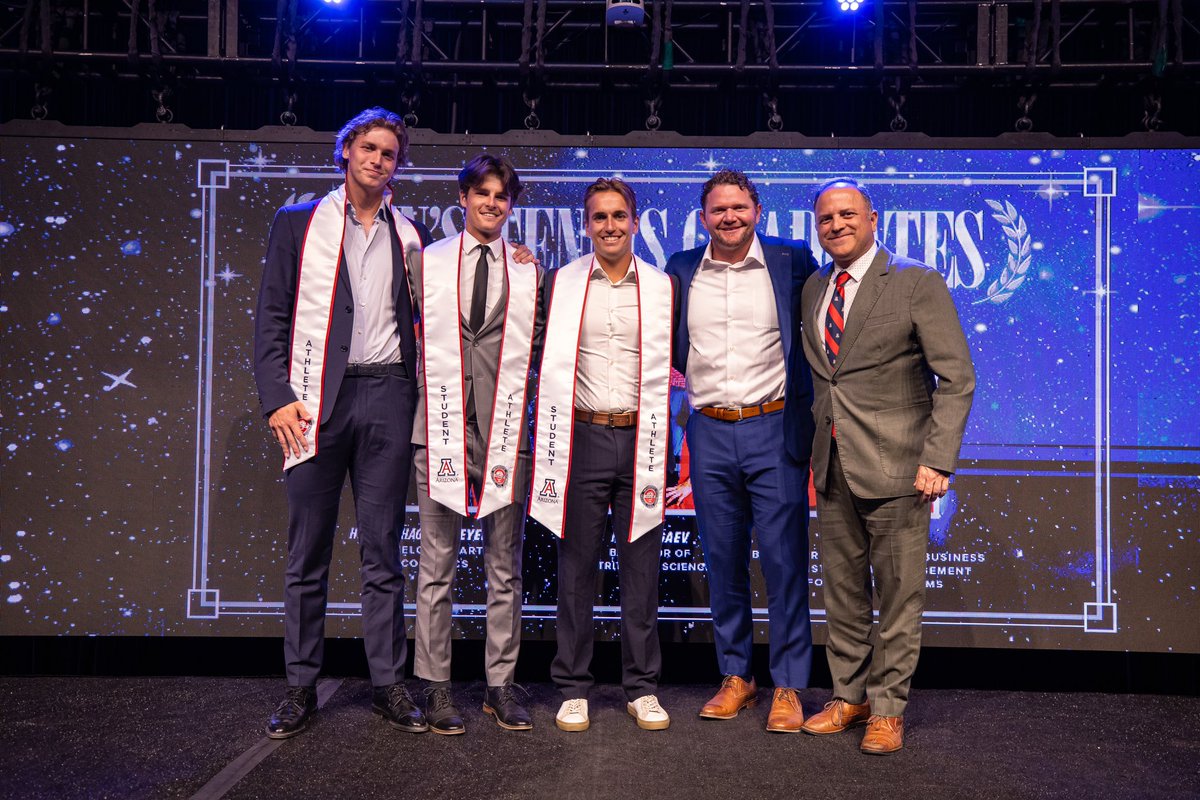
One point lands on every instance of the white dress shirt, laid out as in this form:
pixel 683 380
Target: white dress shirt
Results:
pixel 607 371
pixel 466 274
pixel 735 357
pixel 368 255
pixel 858 269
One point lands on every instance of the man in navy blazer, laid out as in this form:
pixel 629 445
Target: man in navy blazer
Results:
pixel 750 437
pixel 335 360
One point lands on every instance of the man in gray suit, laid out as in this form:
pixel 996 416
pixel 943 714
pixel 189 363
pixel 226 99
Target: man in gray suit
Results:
pixel 480 328
pixel 892 384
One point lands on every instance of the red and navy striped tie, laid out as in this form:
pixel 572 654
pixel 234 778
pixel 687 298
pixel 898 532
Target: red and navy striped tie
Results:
pixel 835 318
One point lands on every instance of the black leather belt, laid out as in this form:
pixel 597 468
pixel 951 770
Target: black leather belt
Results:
pixel 363 370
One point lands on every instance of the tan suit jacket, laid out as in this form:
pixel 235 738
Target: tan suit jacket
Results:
pixel 902 389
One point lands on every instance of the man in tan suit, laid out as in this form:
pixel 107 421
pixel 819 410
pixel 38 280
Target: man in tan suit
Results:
pixel 892 384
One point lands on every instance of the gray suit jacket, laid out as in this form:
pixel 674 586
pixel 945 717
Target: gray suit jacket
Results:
pixel 481 356
pixel 891 413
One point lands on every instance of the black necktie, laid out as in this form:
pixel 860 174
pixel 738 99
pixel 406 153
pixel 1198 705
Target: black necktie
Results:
pixel 479 293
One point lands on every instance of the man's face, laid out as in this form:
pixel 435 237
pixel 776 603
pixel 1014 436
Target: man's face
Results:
pixel 610 226
pixel 845 226
pixel 730 215
pixel 371 160
pixel 487 205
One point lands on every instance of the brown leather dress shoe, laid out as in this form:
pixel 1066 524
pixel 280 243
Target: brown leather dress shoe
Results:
pixel 734 695
pixel 837 716
pixel 787 715
pixel 884 735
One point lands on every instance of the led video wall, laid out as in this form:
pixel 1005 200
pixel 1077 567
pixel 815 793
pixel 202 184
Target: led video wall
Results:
pixel 141 489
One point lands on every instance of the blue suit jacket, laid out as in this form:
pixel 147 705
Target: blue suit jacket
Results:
pixel 789 263
pixel 277 304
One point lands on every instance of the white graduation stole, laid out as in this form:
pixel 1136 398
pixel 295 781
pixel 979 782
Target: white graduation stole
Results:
pixel 445 395
pixel 316 286
pixel 556 396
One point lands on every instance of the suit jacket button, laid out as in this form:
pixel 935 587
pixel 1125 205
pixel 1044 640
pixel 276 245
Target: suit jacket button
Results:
pixel 467 377
pixel 833 382
pixel 345 349
pixel 349 309
pixel 828 421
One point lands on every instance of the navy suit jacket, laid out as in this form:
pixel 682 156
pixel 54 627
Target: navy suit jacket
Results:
pixel 789 263
pixel 277 304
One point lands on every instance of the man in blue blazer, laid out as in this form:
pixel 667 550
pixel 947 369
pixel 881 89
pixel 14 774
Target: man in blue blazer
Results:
pixel 738 343
pixel 335 362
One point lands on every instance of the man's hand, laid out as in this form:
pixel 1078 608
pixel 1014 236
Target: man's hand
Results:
pixel 289 424
pixel 677 494
pixel 523 255
pixel 931 483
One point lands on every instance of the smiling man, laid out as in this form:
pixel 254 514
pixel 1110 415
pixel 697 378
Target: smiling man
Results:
pixel 894 381
pixel 603 428
pixel 335 362
pixel 480 326
pixel 750 435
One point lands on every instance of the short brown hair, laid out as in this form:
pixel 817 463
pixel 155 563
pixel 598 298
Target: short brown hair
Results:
pixel 612 185
pixel 486 165
pixel 729 177
pixel 364 121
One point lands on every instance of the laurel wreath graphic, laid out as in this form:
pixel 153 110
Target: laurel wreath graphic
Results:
pixel 1020 246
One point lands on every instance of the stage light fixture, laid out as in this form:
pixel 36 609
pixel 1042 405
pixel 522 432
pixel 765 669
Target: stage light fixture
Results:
pixel 625 13
pixel 850 6
pixel 332 2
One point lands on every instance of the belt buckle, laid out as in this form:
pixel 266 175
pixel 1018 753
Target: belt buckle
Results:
pixel 741 413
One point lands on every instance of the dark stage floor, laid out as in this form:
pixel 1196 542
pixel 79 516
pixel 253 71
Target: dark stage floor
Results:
pixel 139 737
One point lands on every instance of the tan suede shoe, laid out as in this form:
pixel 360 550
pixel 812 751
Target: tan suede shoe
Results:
pixel 884 735
pixel 734 695
pixel 787 715
pixel 837 716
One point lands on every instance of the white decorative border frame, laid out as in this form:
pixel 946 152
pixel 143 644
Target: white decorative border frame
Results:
pixel 213 175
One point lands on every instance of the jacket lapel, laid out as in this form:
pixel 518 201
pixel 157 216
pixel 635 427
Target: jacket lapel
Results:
pixel 814 332
pixel 779 268
pixel 873 284
pixel 682 341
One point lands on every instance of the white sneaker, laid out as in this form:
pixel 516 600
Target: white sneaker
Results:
pixel 649 714
pixel 572 716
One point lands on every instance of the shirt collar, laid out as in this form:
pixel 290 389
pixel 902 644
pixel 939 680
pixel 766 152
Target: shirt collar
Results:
pixel 471 244
pixel 858 268
pixel 339 195
pixel 754 257
pixel 630 275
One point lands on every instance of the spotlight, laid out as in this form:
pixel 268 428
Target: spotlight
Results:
pixel 332 2
pixel 848 6
pixel 625 13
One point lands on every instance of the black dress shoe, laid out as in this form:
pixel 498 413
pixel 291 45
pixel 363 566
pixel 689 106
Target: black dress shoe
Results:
pixel 501 703
pixel 440 711
pixel 293 714
pixel 395 705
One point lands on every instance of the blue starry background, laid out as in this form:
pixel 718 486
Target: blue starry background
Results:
pixel 107 326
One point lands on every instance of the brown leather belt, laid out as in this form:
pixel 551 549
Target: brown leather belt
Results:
pixel 625 419
pixel 735 414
